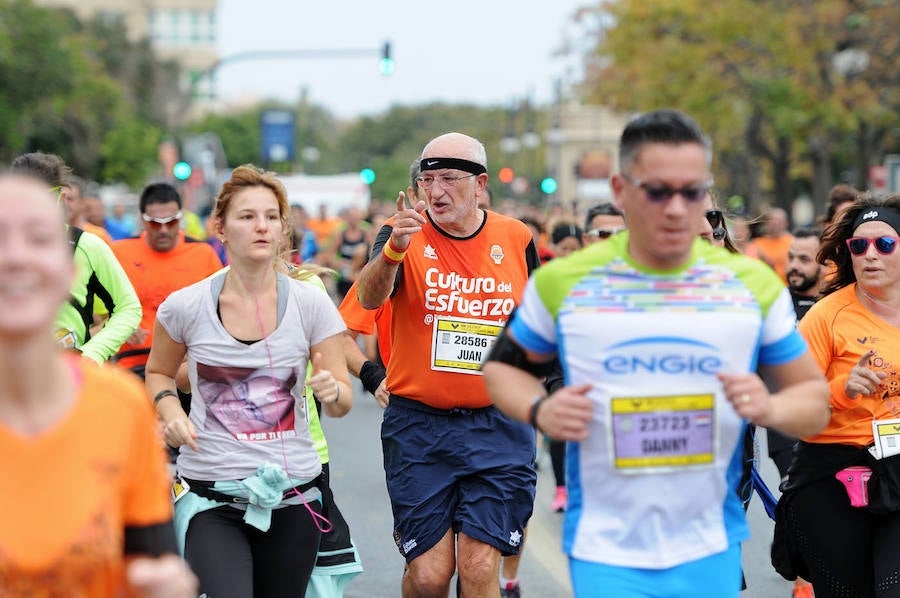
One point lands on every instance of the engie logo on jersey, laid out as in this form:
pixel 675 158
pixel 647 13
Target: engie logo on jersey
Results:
pixel 666 355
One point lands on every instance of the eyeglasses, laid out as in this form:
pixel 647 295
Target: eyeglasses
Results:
pixel 716 220
pixel 446 181
pixel 883 245
pixel 604 232
pixel 657 192
pixel 160 222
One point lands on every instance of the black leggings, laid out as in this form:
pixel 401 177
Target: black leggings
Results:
pixel 558 460
pixel 849 552
pixel 235 560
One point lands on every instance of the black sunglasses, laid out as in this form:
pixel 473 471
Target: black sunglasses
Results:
pixel 884 245
pixel 657 192
pixel 716 220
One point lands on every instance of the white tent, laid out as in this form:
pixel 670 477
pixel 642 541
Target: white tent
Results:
pixel 337 192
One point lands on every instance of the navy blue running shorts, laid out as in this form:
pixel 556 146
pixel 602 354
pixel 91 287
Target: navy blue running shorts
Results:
pixel 471 470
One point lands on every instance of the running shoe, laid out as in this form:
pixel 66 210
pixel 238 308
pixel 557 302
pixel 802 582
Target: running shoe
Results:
pixel 512 590
pixel 561 500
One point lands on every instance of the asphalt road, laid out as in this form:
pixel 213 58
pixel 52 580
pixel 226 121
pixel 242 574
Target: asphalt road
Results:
pixel 357 477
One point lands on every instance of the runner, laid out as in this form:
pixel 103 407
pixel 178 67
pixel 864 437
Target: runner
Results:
pixel 249 333
pixel 84 481
pixel 460 475
pixel 661 335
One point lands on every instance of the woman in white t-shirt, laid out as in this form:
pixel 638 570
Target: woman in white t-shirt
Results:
pixel 249 522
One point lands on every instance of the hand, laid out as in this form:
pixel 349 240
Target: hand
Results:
pixel 324 386
pixel 180 431
pixel 863 381
pixel 138 337
pixel 749 396
pixel 162 577
pixel 407 221
pixel 382 396
pixel 567 413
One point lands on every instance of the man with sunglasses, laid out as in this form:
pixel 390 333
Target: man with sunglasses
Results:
pixel 662 335
pixel 602 221
pixel 161 260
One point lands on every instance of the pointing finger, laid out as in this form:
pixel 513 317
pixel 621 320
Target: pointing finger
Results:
pixel 401 201
pixel 864 360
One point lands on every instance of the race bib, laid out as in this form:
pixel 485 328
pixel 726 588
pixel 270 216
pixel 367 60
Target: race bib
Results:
pixel 66 339
pixel 662 434
pixel 886 433
pixel 180 488
pixel 461 344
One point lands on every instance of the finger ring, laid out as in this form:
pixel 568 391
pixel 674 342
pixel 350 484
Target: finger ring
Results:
pixel 745 398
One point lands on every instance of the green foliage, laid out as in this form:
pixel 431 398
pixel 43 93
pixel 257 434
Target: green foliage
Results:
pixel 758 74
pixel 128 152
pixel 79 90
pixel 239 134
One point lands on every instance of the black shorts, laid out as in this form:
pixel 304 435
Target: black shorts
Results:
pixel 471 470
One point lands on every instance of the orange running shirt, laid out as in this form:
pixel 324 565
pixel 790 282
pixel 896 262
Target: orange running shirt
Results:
pixel 368 321
pixel 68 494
pixel 156 274
pixel 774 252
pixel 97 230
pixel 839 329
pixel 453 297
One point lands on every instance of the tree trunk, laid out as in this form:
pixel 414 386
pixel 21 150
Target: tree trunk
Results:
pixel 822 178
pixel 781 174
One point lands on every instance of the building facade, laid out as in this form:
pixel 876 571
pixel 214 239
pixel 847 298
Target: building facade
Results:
pixel 183 31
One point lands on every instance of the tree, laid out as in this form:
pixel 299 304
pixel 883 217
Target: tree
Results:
pixel 78 90
pixel 758 74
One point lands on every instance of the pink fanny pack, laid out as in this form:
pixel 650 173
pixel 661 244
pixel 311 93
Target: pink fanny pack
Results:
pixel 856 482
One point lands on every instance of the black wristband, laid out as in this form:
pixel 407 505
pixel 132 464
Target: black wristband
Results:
pixel 162 394
pixel 532 412
pixel 371 375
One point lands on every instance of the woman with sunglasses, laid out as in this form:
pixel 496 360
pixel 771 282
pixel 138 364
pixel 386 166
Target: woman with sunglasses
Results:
pixel 854 333
pixel 713 227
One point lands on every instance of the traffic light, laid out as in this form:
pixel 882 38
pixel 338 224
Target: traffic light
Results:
pixel 181 171
pixel 386 66
pixel 506 175
pixel 549 185
pixel 367 175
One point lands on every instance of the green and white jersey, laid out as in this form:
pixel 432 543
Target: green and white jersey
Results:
pixel 654 485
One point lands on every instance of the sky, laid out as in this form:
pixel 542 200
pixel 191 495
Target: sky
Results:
pixel 487 52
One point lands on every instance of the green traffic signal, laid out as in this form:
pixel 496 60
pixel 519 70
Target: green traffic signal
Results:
pixel 182 171
pixel 367 175
pixel 386 66
pixel 549 185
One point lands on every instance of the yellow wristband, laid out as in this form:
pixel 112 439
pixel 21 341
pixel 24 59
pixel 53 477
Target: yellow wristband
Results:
pixel 391 256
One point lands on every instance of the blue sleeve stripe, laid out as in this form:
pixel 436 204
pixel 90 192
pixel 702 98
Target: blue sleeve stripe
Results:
pixel 787 349
pixel 528 339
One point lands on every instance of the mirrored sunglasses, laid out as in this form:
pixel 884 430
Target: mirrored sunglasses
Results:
pixel 604 232
pixel 159 222
pixel 884 245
